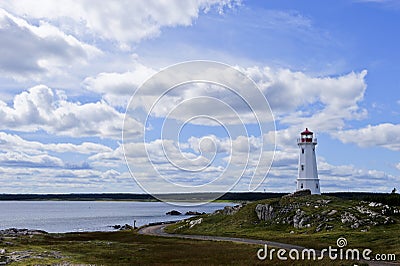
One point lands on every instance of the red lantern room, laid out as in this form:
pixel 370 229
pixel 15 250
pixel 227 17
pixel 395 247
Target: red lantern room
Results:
pixel 306 136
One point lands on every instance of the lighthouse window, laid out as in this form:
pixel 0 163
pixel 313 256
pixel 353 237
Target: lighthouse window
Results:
pixel 302 167
pixel 316 185
pixel 301 185
pixel 302 151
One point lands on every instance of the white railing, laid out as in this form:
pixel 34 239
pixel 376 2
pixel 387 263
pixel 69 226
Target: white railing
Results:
pixel 314 140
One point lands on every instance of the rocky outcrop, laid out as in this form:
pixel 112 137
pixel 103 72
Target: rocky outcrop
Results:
pixel 20 232
pixel 194 213
pixel 318 215
pixel 300 219
pixel 229 210
pixel 122 227
pixel 19 256
pixel 173 212
pixel 300 193
pixel 265 212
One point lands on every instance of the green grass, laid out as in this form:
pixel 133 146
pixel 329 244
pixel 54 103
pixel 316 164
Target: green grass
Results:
pixel 130 248
pixel 380 239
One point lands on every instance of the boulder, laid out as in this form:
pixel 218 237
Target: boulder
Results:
pixel 194 213
pixel 332 212
pixel 348 217
pixel 173 212
pixel 265 212
pixel 126 227
pixel 229 210
pixel 195 222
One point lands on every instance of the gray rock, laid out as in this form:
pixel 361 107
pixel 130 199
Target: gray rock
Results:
pixel 348 217
pixel 355 225
pixel 20 232
pixel 173 212
pixel 229 210
pixel 300 219
pixel 265 212
pixel 319 228
pixel 328 227
pixel 195 222
pixel 332 212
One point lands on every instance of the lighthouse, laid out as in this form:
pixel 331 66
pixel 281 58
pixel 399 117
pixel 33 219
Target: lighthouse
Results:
pixel 308 174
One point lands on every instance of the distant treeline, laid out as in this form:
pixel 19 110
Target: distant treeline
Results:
pixel 76 197
pixel 392 199
pixel 385 198
pixel 230 196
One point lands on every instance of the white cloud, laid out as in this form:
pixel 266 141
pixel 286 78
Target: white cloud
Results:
pixel 117 87
pixel 29 50
pixel 123 21
pixel 299 99
pixel 18 159
pixel 14 142
pixel 385 135
pixel 41 108
pixel 57 180
pixel 296 99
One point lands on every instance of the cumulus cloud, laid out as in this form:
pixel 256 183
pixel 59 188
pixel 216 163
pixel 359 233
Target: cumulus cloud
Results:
pixel 29 50
pixel 297 98
pixel 385 135
pixel 42 108
pixel 15 142
pixel 30 161
pixel 58 180
pixel 123 21
pixel 116 88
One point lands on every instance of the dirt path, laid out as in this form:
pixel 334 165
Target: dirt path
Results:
pixel 158 230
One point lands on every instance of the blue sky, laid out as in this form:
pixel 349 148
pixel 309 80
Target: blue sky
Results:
pixel 68 70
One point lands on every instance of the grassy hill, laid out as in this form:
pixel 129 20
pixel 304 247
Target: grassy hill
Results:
pixel 313 221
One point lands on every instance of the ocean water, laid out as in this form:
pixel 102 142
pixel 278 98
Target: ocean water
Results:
pixel 75 216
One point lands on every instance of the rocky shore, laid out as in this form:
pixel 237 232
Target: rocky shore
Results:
pixel 14 232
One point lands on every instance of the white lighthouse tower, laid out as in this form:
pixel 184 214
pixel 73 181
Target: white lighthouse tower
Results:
pixel 308 175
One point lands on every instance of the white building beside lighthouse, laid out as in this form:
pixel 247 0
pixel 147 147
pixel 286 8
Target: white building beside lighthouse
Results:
pixel 308 174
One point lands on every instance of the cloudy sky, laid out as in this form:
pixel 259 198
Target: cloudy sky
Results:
pixel 69 68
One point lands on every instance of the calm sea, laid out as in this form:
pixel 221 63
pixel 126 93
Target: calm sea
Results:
pixel 72 216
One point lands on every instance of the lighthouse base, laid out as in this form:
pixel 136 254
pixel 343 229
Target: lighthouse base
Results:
pixel 309 183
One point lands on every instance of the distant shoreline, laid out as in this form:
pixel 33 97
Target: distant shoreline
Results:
pixel 190 197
